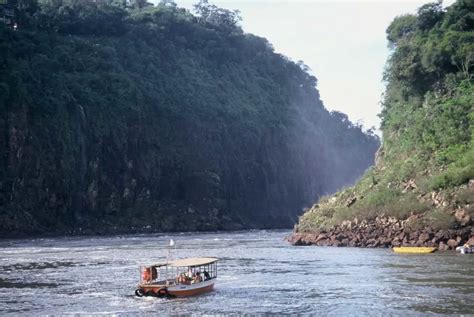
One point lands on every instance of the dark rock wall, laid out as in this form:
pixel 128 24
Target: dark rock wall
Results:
pixel 90 146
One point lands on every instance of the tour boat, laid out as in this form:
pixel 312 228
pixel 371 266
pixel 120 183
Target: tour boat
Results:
pixel 413 249
pixel 178 278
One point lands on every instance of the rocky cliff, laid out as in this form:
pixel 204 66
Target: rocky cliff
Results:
pixel 120 119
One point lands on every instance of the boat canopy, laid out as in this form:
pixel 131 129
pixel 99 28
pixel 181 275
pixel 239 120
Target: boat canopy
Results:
pixel 187 262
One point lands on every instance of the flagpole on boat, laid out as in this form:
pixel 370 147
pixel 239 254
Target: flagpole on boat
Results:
pixel 168 257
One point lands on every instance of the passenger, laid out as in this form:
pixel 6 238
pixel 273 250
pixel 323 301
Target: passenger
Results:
pixel 197 278
pixel 182 278
pixel 206 275
pixel 190 274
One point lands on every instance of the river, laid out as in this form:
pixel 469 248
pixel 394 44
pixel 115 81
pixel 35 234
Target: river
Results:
pixel 258 273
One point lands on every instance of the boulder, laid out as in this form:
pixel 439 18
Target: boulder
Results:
pixel 323 242
pixel 414 235
pixel 320 237
pixel 442 246
pixel 373 243
pixel 425 237
pixel 350 201
pixel 430 244
pixel 353 242
pixel 396 243
pixel 462 216
pixel 452 243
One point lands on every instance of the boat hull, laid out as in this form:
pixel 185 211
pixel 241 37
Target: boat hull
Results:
pixel 465 250
pixel 180 290
pixel 191 290
pixel 414 250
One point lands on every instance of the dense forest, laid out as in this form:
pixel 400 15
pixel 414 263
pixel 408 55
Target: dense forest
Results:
pixel 424 172
pixel 121 116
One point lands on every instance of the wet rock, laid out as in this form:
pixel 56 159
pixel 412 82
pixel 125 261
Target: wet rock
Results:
pixel 298 239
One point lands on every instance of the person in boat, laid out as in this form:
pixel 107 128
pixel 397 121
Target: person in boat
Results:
pixel 197 278
pixel 188 277
pixel 182 278
pixel 190 274
pixel 206 275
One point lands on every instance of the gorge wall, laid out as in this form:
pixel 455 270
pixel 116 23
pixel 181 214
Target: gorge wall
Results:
pixel 121 119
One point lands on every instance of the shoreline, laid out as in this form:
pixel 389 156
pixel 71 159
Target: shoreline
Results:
pixel 384 232
pixel 92 233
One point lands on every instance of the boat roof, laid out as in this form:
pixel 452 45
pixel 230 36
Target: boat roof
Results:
pixel 188 262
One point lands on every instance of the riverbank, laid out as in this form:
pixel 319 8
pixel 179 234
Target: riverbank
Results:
pixel 385 232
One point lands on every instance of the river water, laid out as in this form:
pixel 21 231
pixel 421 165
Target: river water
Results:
pixel 258 273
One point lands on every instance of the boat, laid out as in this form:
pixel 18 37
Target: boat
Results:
pixel 178 278
pixel 414 249
pixel 465 249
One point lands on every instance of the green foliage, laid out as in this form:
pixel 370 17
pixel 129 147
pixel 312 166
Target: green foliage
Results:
pixel 120 112
pixel 388 202
pixel 427 123
pixel 317 219
pixel 401 27
pixel 466 196
pixel 415 224
pixel 429 15
pixel 440 219
pixel 429 102
pixel 212 14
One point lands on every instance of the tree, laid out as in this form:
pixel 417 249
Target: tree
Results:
pixel 400 28
pixel 140 4
pixel 168 3
pixel 210 13
pixel 430 14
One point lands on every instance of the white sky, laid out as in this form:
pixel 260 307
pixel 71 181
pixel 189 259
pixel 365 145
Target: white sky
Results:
pixel 343 42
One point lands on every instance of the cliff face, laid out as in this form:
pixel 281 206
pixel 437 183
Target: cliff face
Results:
pixel 157 120
pixel 421 189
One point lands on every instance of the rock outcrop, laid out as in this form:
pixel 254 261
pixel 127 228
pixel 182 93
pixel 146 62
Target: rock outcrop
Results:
pixel 384 232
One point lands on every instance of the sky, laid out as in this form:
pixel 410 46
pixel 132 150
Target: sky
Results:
pixel 343 42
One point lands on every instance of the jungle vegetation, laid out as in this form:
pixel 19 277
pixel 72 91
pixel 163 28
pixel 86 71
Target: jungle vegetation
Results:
pixel 427 157
pixel 126 116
